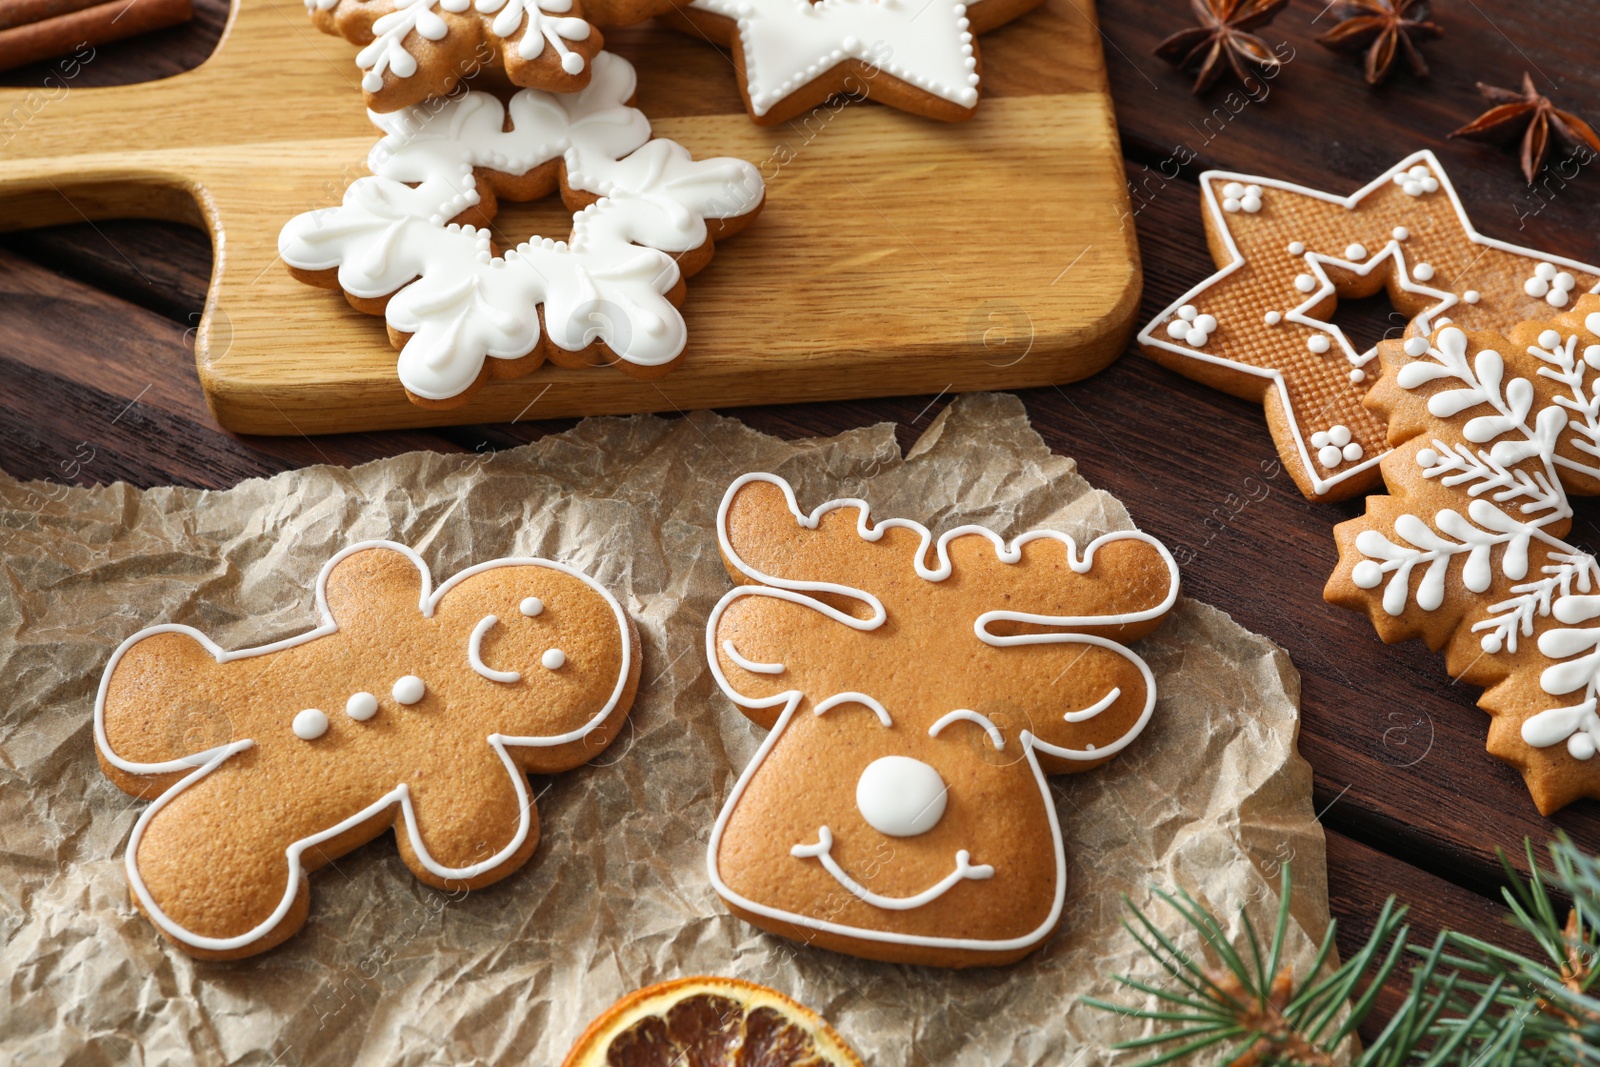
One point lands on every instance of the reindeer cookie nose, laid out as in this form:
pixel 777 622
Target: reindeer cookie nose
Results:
pixel 901 796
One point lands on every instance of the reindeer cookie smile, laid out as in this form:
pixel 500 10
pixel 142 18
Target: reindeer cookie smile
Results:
pixel 874 819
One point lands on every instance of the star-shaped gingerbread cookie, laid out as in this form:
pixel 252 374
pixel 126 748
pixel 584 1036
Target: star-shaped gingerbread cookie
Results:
pixel 1262 327
pixel 791 55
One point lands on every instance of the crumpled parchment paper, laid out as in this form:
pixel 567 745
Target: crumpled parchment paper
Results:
pixel 1214 798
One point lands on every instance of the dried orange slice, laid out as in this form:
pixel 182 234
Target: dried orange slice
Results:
pixel 709 1022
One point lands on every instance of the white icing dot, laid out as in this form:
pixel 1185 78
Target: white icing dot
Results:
pixel 1556 298
pixel 1318 343
pixel 1206 323
pixel 1472 296
pixel 1339 435
pixel 1274 317
pixel 1305 283
pixel 1426 458
pixel 1353 451
pixel 531 606
pixel 1319 439
pixel 1177 329
pixel 1591 356
pixel 1401 233
pixel 1423 273
pixel 1188 313
pixel 553 659
pixel 1356 252
pixel 1549 339
pixel 1297 248
pixel 1491 643
pixel 1416 346
pixel 1233 190
pixel 1251 203
pixel 900 796
pixel 1545 272
pixel 1366 574
pixel 1329 456
pixel 408 690
pixel 572 63
pixel 1581 746
pixel 310 724
pixel 1196 337
pixel 1535 287
pixel 1231 205
pixel 361 706
pixel 1358 376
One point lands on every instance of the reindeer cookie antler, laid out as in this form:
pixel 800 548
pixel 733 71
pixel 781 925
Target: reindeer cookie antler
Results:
pixel 1490 434
pixel 1262 327
pixel 408 707
pixel 917 691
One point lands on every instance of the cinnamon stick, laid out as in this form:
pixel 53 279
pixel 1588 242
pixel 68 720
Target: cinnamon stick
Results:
pixel 25 12
pixel 60 33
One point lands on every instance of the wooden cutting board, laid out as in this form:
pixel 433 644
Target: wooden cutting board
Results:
pixel 895 255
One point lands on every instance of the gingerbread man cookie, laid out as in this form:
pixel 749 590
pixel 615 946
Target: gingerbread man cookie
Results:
pixel 1262 326
pixel 412 708
pixel 415 242
pixel 1490 434
pixel 417 49
pixel 791 55
pixel 916 695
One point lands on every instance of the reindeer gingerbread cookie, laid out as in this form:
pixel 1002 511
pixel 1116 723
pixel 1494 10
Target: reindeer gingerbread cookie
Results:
pixel 1262 327
pixel 1490 434
pixel 917 693
pixel 412 708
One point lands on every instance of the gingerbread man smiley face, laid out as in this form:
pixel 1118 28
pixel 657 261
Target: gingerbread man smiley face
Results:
pixel 408 707
pixel 917 695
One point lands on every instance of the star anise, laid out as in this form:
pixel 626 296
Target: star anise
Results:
pixel 1223 37
pixel 1531 114
pixel 1386 29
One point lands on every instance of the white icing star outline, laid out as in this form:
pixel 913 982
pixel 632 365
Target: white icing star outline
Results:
pixel 1154 337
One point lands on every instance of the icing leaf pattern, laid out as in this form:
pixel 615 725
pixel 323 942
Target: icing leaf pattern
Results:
pixel 1473 555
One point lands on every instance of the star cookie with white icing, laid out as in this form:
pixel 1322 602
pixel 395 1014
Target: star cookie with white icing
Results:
pixel 416 49
pixel 1287 255
pixel 792 55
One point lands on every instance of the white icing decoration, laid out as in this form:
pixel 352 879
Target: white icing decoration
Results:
pixel 1238 197
pixel 787 44
pixel 548 24
pixel 532 607
pixel 1305 283
pixel 200 764
pixel 1423 272
pixel 1192 327
pixel 608 281
pixel 1358 376
pixel 1419 180
pixel 1094 709
pixel 1471 296
pixel 1529 505
pixel 310 724
pixel 1555 287
pixel 1318 343
pixel 996 738
pixel 750 665
pixel 1274 317
pixel 409 690
pixel 823 851
pixel 1402 234
pixel 1356 252
pixel 900 796
pixel 475 656
pixel 1423 173
pixel 802 593
pixel 1335 445
pixel 855 698
pixel 553 659
pixel 361 706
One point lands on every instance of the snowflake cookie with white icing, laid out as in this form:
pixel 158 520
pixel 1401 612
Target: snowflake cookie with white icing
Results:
pixel 1490 435
pixel 792 55
pixel 413 50
pixel 407 708
pixel 1288 254
pixel 417 243
pixel 916 694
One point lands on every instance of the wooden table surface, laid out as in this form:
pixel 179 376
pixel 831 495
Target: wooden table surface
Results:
pixel 98 383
